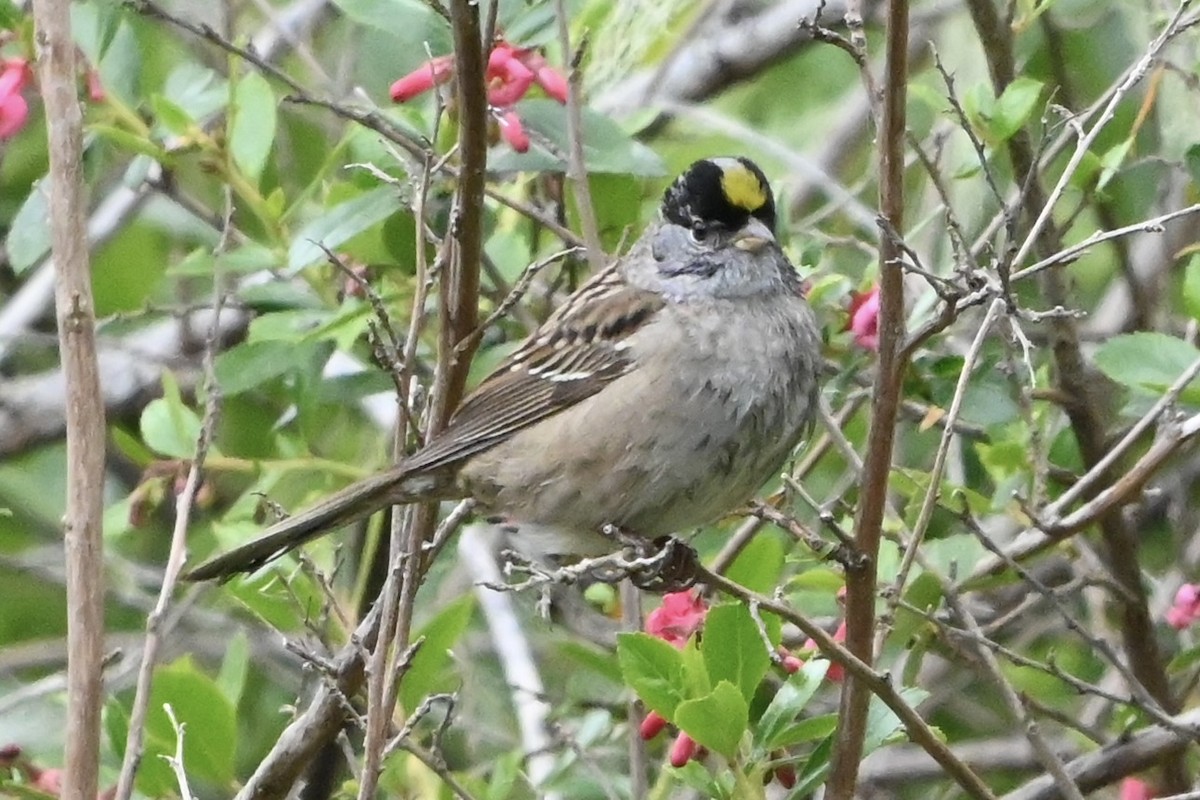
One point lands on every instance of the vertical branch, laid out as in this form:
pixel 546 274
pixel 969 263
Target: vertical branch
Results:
pixel 459 296
pixel 458 304
pixel 576 170
pixel 860 583
pixel 85 409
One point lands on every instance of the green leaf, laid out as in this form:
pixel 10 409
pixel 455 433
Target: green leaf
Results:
pixel 252 124
pixel 124 140
pixel 505 771
pixel 606 146
pixel 789 701
pixel 252 364
pixel 694 775
pixel 806 730
pixel 116 725
pixel 1191 159
pixel 339 224
pixel 210 734
pixel 717 720
pixel 1112 160
pixel 413 22
pixel 265 596
pixel 998 119
pixel 653 669
pixel 432 668
pixel 882 722
pixel 1191 287
pixel 195 91
pixel 234 667
pixel 1015 106
pixel 168 426
pixel 814 769
pixel 28 239
pixel 1148 361
pixel 733 649
pixel 760 564
pixel 174 118
pixel 10 15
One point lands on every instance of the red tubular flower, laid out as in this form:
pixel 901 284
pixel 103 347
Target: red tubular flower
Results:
pixel 507 78
pixel 14 110
pixel 514 132
pixel 511 71
pixel 1186 608
pixel 836 672
pixel 786 775
pixel 1136 789
pixel 683 750
pixel 430 74
pixel 95 88
pixel 864 318
pixel 652 726
pixel 680 615
pixel 791 663
pixel 553 82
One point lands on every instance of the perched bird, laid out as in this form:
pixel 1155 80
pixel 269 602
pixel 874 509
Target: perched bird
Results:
pixel 661 395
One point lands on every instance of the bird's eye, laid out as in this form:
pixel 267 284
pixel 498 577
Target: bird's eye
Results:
pixel 699 231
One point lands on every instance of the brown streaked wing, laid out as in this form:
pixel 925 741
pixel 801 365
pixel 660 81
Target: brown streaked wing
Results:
pixel 575 354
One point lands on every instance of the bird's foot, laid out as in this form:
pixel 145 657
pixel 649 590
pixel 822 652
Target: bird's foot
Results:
pixel 662 565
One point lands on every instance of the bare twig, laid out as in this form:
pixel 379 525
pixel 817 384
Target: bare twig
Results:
pixel 176 761
pixel 175 560
pixel 1084 145
pixel 576 168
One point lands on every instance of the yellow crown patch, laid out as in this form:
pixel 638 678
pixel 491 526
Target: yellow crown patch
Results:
pixel 742 187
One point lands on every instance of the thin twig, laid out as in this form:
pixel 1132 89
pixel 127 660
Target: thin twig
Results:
pixel 184 503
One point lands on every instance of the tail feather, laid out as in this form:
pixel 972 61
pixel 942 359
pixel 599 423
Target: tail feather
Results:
pixel 360 499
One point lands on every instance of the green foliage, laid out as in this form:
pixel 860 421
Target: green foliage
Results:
pixel 227 178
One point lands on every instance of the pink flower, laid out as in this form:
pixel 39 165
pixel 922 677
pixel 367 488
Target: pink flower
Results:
pixel 652 726
pixel 514 132
pixel 95 88
pixel 553 82
pixel 1186 608
pixel 1136 789
pixel 511 72
pixel 791 663
pixel 507 78
pixel 423 78
pixel 864 318
pixel 683 750
pixel 680 615
pixel 836 672
pixel 14 110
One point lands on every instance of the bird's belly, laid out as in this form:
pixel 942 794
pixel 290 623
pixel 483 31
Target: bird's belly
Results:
pixel 649 461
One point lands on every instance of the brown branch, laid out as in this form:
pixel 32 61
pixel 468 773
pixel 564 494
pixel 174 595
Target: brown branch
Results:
pixel 1109 764
pixel 861 583
pixel 155 621
pixel 1073 377
pixel 875 682
pixel 82 532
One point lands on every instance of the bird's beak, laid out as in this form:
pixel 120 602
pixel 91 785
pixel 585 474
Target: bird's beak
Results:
pixel 753 237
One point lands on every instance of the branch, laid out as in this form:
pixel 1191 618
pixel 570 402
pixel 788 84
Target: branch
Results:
pixel 75 310
pixel 861 583
pixel 1109 764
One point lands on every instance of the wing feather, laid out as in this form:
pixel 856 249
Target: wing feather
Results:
pixel 577 352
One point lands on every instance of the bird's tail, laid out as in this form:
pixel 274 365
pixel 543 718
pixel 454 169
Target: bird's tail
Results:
pixel 397 486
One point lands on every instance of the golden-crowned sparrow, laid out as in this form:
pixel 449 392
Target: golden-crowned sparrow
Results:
pixel 660 396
